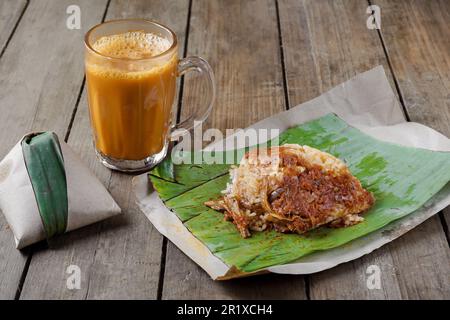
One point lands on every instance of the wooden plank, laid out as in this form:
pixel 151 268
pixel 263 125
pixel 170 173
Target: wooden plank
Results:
pixel 416 35
pixel 13 261
pixel 41 75
pixel 240 40
pixel 120 257
pixel 325 43
pixel 421 59
pixel 186 280
pixel 10 13
pixel 418 46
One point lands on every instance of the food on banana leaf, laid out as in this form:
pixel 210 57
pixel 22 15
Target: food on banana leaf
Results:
pixel 291 189
pixel 404 180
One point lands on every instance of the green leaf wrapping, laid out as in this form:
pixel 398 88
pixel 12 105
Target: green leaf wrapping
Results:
pixel 45 165
pixel 401 178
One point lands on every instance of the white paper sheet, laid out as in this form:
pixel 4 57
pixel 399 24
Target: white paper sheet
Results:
pixel 366 102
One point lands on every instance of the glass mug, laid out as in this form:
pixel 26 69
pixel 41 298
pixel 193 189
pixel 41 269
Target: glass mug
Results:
pixel 131 98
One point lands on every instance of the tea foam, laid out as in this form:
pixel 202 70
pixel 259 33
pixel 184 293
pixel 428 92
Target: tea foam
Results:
pixel 132 45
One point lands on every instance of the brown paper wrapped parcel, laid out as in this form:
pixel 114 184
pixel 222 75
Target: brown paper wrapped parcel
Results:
pixel 46 190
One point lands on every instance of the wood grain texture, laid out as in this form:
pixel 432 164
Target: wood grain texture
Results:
pixel 325 43
pixel 184 279
pixel 41 76
pixel 416 34
pixel 120 257
pixel 12 261
pixel 417 39
pixel 240 41
pixel 10 12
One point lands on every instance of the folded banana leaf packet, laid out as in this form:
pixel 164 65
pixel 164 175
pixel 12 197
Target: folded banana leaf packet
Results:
pixel 46 190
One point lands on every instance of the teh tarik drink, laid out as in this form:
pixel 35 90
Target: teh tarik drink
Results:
pixel 130 108
pixel 131 70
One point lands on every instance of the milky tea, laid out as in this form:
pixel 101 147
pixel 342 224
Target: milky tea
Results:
pixel 131 95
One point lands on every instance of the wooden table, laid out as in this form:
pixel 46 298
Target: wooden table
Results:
pixel 267 56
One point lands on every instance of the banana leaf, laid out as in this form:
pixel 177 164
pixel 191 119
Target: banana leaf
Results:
pixel 401 178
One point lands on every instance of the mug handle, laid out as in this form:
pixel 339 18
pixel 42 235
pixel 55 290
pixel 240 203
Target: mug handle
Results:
pixel 202 67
